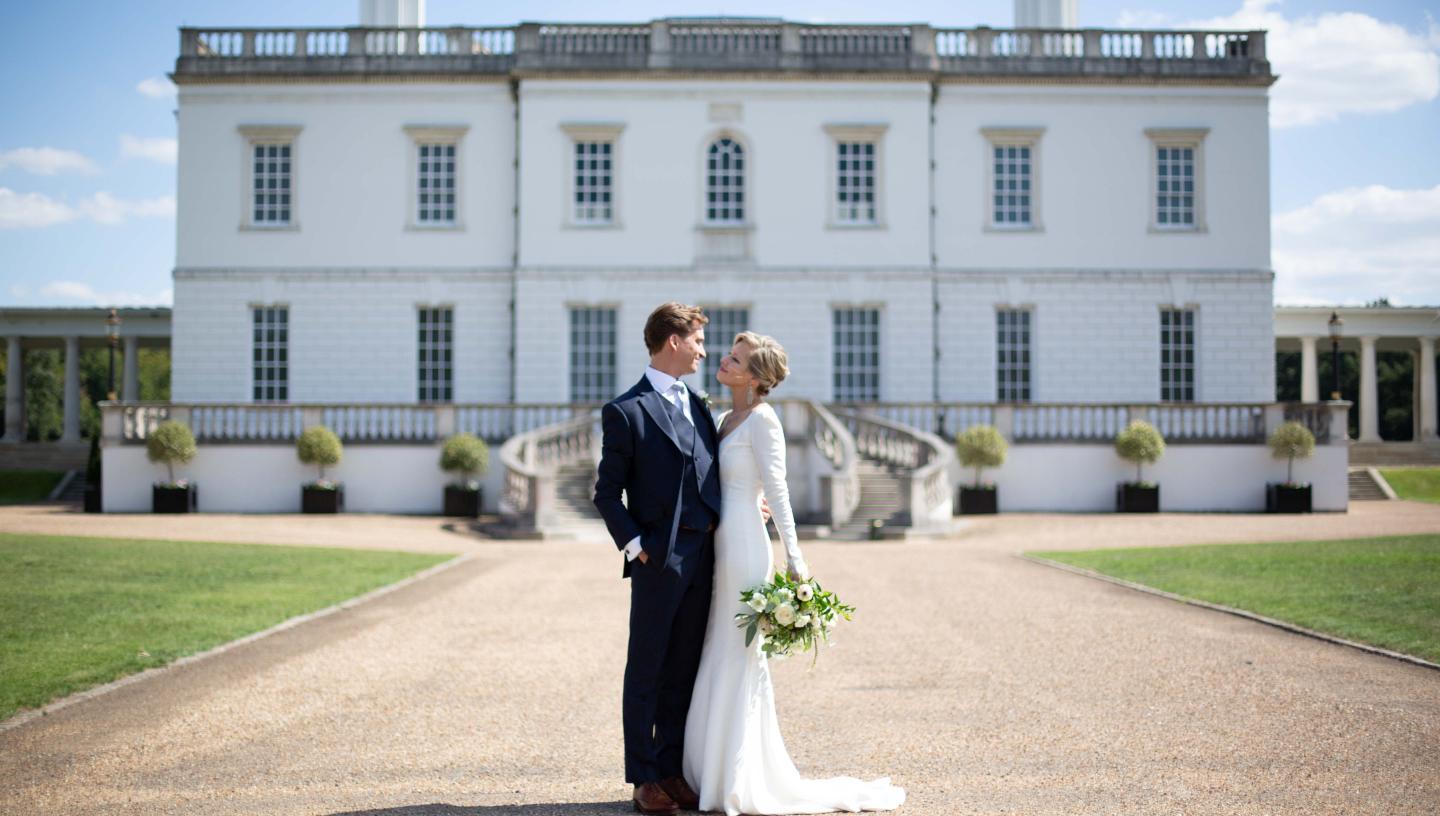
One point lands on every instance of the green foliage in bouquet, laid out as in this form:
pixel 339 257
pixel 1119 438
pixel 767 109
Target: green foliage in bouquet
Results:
pixel 170 442
pixel 1291 441
pixel 788 613
pixel 1140 443
pixel 466 453
pixel 318 445
pixel 981 446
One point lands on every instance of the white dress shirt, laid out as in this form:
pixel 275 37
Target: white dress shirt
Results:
pixel 672 390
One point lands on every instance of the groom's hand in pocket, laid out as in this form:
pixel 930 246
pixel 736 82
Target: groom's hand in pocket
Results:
pixel 643 557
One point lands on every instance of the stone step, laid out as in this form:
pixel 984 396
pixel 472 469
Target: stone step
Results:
pixel 1395 453
pixel 1364 488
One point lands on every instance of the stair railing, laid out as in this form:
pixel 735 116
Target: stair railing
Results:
pixel 922 458
pixel 840 488
pixel 532 463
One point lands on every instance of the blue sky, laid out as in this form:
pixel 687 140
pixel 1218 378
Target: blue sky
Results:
pixel 87 177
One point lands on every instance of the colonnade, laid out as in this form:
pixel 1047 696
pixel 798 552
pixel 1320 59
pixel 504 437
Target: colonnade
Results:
pixel 70 429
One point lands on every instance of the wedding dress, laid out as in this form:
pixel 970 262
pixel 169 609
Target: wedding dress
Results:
pixel 734 754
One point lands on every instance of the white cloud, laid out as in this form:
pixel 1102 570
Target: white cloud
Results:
pixel 85 293
pixel 22 210
pixel 32 210
pixel 46 161
pixel 156 87
pixel 158 149
pixel 1331 64
pixel 1355 245
pixel 107 209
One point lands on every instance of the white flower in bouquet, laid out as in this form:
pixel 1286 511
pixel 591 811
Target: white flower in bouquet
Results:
pixel 785 594
pixel 784 614
pixel 804 592
pixel 756 602
pixel 802 621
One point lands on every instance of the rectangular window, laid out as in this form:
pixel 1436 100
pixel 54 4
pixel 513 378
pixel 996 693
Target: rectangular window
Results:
pixel 271 180
pixel 857 355
pixel 435 176
pixel 855 182
pixel 1177 355
pixel 592 354
pixel 1012 355
pixel 270 365
pixel 593 182
pixel 1175 186
pixel 1010 186
pixel 434 365
pixel 720 333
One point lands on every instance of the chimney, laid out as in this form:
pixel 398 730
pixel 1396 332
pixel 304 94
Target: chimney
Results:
pixel 392 13
pixel 1045 14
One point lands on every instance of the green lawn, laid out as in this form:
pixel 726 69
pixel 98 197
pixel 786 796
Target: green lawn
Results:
pixel 26 486
pixel 1419 484
pixel 1381 591
pixel 80 612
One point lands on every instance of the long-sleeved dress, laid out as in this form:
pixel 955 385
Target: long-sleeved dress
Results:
pixel 734 755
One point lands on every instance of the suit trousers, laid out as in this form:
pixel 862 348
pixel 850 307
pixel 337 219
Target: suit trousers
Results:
pixel 669 609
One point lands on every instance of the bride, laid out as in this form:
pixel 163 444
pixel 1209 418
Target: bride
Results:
pixel 734 754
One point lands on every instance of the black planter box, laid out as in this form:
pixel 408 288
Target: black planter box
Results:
pixel 92 498
pixel 462 501
pixel 978 500
pixel 1282 498
pixel 320 500
pixel 173 499
pixel 1133 498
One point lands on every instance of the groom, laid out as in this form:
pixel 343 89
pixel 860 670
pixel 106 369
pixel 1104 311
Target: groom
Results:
pixel 659 447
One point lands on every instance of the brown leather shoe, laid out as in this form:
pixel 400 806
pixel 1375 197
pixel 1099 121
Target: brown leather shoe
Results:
pixel 651 798
pixel 679 790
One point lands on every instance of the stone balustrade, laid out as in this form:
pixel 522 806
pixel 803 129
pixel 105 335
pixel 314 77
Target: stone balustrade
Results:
pixel 1085 423
pixel 724 45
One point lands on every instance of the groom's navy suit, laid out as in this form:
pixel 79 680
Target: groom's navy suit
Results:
pixel 670 475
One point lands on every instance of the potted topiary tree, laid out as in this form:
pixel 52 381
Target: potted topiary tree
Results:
pixel 1140 443
pixel 1290 441
pixel 980 446
pixel 318 445
pixel 171 442
pixel 92 477
pixel 467 455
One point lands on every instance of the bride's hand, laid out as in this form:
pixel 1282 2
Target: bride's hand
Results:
pixel 764 511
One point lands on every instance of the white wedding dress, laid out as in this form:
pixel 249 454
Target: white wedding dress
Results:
pixel 734 755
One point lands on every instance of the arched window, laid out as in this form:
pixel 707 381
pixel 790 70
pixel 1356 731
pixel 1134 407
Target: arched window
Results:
pixel 725 182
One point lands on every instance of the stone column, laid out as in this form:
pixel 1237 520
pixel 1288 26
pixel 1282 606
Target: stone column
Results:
pixel 14 390
pixel 1425 382
pixel 1309 374
pixel 1369 392
pixel 131 388
pixel 71 429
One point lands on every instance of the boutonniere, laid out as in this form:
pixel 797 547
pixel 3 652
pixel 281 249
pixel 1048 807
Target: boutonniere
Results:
pixel 705 398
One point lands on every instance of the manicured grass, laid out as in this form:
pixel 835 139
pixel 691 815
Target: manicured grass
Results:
pixel 26 486
pixel 1419 484
pixel 1381 591
pixel 80 612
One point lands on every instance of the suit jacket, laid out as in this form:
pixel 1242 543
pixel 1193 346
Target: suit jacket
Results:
pixel 641 456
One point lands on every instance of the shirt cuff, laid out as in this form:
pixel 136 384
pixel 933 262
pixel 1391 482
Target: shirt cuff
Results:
pixel 632 550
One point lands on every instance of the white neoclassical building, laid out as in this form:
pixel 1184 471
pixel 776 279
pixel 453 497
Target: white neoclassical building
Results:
pixel 402 232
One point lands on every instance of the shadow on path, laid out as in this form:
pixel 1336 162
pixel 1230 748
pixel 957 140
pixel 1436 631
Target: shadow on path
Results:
pixel 554 809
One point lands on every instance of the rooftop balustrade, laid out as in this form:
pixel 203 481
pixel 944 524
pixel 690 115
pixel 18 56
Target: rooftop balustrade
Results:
pixel 724 46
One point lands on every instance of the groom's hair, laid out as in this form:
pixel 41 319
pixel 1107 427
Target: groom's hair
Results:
pixel 671 318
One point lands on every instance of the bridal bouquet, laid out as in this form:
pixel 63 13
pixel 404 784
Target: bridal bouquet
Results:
pixel 786 614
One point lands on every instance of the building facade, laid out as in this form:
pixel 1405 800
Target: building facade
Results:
pixel 918 214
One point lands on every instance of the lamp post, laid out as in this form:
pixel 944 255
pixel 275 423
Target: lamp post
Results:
pixel 1337 327
pixel 112 334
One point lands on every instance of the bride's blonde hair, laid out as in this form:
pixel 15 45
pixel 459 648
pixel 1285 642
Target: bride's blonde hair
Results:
pixel 767 361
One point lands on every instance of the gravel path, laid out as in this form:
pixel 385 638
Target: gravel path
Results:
pixel 980 682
